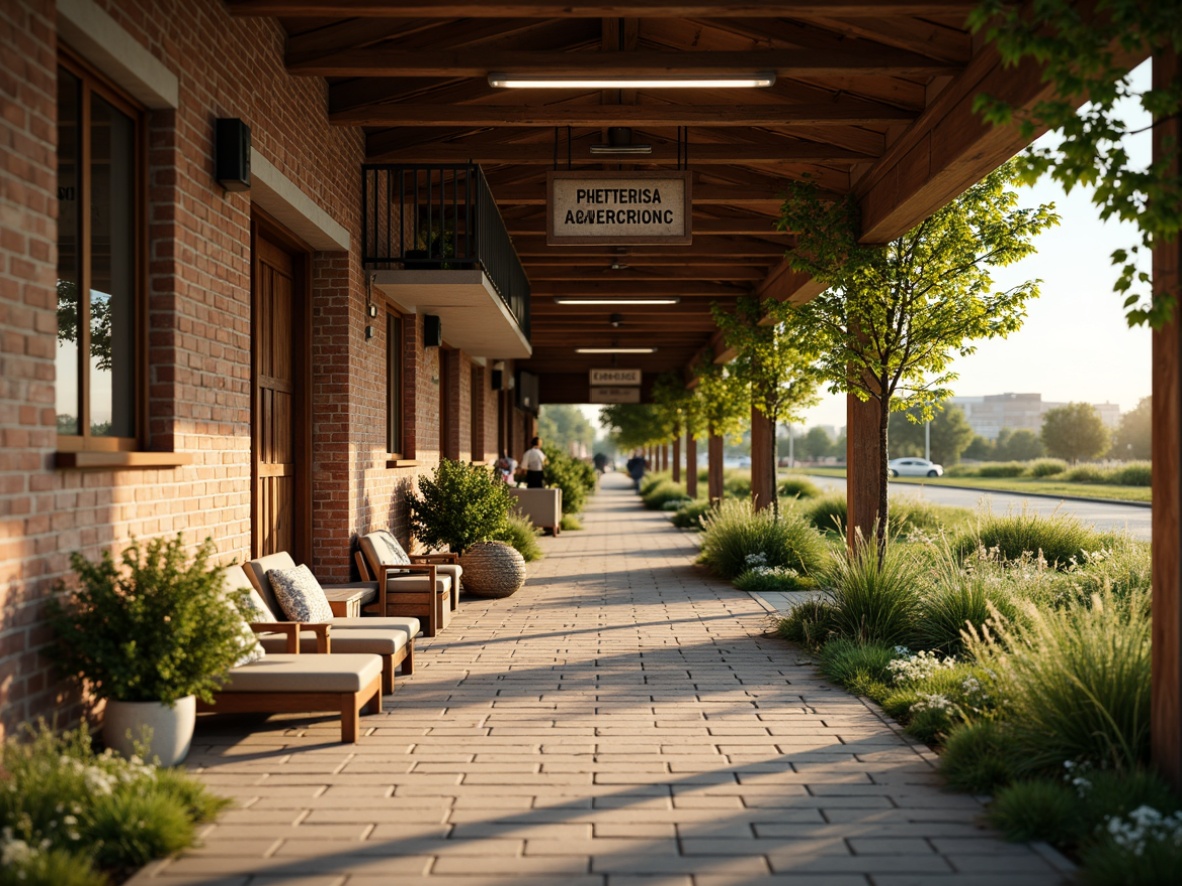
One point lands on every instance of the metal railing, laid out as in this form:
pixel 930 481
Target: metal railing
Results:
pixel 434 216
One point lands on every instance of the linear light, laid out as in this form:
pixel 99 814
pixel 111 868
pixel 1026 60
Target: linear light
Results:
pixel 673 81
pixel 621 149
pixel 651 300
pixel 615 350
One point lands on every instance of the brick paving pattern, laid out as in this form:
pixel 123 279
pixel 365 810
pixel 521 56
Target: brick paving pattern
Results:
pixel 621 721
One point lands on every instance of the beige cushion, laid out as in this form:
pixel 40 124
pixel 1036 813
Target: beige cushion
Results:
pixel 381 548
pixel 300 595
pixel 257 611
pixel 377 641
pixel 408 625
pixel 454 571
pixel 256 571
pixel 413 581
pixel 234 581
pixel 305 673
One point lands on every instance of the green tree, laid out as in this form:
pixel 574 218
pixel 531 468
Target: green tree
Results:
pixel 894 316
pixel 1019 445
pixel 1135 434
pixel 562 425
pixel 950 434
pixel 632 425
pixel 674 404
pixel 776 363
pixel 816 443
pixel 1074 432
pixel 980 449
pixel 1084 58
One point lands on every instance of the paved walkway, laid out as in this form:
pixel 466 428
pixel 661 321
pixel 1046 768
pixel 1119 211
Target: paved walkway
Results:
pixel 621 721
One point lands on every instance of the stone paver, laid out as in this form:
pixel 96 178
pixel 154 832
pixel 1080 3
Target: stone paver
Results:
pixel 622 720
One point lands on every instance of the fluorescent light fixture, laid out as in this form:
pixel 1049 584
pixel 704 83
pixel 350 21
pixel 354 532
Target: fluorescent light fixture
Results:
pixel 615 350
pixel 670 81
pixel 621 149
pixel 648 300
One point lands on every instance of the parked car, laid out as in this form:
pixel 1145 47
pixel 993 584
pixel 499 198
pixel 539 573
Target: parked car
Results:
pixel 914 467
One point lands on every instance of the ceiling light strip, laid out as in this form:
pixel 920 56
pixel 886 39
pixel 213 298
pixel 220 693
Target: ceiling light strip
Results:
pixel 615 350
pixel 653 300
pixel 754 80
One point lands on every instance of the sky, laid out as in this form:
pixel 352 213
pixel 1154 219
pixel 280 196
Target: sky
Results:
pixel 1075 344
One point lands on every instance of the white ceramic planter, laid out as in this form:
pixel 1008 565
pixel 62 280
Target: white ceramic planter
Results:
pixel 171 728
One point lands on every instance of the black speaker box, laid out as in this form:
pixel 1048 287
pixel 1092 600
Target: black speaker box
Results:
pixel 232 154
pixel 432 331
pixel 498 379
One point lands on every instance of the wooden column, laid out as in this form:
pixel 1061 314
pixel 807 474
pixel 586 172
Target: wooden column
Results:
pixel 664 456
pixel 1166 708
pixel 714 468
pixel 862 460
pixel 691 466
pixel 677 459
pixel 763 460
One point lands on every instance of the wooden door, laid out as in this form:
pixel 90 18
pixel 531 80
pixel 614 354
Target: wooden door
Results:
pixel 280 519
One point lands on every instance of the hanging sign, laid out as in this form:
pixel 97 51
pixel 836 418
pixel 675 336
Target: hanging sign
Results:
pixel 615 395
pixel 615 377
pixel 618 208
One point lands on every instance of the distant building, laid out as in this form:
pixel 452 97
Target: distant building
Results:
pixel 989 414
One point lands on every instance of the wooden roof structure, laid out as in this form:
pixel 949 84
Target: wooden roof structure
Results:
pixel 873 97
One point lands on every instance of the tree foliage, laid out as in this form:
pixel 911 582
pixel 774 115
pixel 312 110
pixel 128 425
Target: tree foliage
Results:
pixel 459 505
pixel 723 403
pixel 895 316
pixel 1086 58
pixel 775 363
pixel 950 435
pixel 1019 445
pixel 1134 437
pixel 562 425
pixel 1074 432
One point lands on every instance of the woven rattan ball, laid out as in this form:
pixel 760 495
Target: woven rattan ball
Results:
pixel 492 569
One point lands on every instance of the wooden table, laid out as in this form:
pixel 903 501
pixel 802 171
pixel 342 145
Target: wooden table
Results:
pixel 346 600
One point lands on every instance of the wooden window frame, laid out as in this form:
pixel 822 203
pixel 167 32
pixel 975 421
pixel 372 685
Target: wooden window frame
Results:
pixel 395 382
pixel 71 447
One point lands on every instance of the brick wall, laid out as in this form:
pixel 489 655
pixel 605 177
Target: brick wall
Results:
pixel 199 383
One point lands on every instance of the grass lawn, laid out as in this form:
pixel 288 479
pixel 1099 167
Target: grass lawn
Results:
pixel 1037 486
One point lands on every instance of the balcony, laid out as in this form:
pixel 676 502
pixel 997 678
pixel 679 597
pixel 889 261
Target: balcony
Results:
pixel 436 244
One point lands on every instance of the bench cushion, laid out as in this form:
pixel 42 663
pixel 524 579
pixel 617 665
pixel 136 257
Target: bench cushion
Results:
pixel 376 641
pixel 417 582
pixel 305 673
pixel 406 624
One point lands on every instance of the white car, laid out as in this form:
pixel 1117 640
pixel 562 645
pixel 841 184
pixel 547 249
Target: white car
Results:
pixel 914 467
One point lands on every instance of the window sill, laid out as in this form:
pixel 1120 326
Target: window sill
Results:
pixel 121 460
pixel 402 463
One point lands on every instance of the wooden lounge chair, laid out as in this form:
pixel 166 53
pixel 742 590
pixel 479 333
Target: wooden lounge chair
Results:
pixel 289 682
pixel 403 583
pixel 391 638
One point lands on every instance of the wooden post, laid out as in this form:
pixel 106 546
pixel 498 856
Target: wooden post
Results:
pixel 677 459
pixel 862 460
pixel 763 461
pixel 664 456
pixel 714 469
pixel 1166 707
pixel 691 466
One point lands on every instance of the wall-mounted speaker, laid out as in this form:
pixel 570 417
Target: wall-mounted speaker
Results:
pixel 432 331
pixel 232 154
pixel 498 379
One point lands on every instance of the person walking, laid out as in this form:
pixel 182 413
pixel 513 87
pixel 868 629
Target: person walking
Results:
pixel 534 461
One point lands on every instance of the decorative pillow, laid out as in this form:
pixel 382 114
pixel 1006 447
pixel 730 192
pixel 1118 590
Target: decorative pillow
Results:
pixel 255 610
pixel 300 595
pixel 389 551
pixel 249 648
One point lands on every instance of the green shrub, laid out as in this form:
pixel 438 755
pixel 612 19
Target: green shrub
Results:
pixel 960 471
pixel 768 580
pixel 1047 467
pixel 737 538
pixel 1001 469
pixel 570 523
pixel 736 484
pixel 1122 569
pixel 1059 539
pixel 1106 792
pixel 691 514
pixel 798 487
pixel 70 807
pixel 809 623
pixel 860 667
pixel 1039 809
pixel 974 757
pixel 651 481
pixel 575 478
pixel 1073 683
pixel 522 535
pixel 954 598
pixel 1156 862
pixel 459 505
pixel 1138 473
pixel 827 513
pixel 1088 474
pixel 874 601
pixel 661 493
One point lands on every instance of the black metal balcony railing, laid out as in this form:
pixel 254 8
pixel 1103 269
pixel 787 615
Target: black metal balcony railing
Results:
pixel 440 216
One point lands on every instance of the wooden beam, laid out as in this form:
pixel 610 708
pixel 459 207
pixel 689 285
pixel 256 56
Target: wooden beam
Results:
pixel 860 60
pixel 1165 720
pixel 663 153
pixel 620 9
pixel 781 116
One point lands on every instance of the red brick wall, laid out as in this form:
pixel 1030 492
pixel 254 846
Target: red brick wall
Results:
pixel 199 325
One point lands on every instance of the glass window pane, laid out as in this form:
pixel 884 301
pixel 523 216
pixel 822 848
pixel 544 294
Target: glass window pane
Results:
pixel 112 257
pixel 69 153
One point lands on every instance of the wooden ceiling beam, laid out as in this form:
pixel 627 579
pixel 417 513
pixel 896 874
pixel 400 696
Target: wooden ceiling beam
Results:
pixel 380 61
pixel 619 9
pixel 780 116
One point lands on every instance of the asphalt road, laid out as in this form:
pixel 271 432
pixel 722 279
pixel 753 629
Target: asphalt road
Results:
pixel 1136 520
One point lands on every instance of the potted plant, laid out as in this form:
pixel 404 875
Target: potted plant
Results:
pixel 148 637
pixel 464 507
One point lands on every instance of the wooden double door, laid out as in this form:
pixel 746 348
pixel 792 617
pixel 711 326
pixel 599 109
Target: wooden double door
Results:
pixel 280 405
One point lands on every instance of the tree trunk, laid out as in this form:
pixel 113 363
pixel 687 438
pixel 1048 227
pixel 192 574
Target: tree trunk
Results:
pixel 714 471
pixel 763 463
pixel 691 466
pixel 884 415
pixel 863 468
pixel 677 459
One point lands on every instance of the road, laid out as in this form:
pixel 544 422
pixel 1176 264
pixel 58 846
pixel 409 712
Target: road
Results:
pixel 1103 515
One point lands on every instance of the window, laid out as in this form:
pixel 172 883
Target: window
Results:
pixel 100 254
pixel 394 381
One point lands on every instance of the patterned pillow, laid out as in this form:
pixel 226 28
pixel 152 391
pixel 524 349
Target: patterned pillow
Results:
pixel 300 595
pixel 249 648
pixel 389 551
